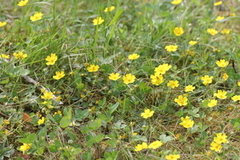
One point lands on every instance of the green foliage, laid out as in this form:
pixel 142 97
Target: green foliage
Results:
pixel 114 85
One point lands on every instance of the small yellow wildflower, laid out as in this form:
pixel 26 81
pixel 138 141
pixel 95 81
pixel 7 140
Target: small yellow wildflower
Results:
pixel 4 56
pixel 156 79
pixel 109 9
pixel 225 31
pixel 236 98
pixel 97 21
pixel 37 16
pixel 140 147
pixel 193 42
pixel 171 48
pixel 219 18
pixel 225 76
pixel 221 94
pixel 220 138
pixel 162 69
pixel 25 147
pixel 41 121
pixel 173 84
pixel 181 100
pixel 215 147
pixel 93 68
pixel 155 145
pixel 22 3
pixel 238 84
pixel 128 78
pixel 222 63
pixel 176 2
pixel 47 95
pixel 218 3
pixel 147 113
pixel 187 122
pixel 58 98
pixel 207 79
pixel 114 76
pixel 2 24
pixel 212 103
pixel 172 157
pixel 6 121
pixel 19 55
pixel 133 56
pixel 212 31
pixel 59 75
pixel 178 31
pixel 233 14
pixel 58 112
pixel 51 59
pixel 189 88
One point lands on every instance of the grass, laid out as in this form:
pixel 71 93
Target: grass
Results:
pixel 85 114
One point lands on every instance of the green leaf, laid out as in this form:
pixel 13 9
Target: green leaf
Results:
pixel 95 124
pixel 115 18
pixel 17 71
pixel 165 138
pixel 65 121
pixel 113 107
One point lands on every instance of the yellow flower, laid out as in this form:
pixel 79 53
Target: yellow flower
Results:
pixel 114 76
pixel 147 113
pixel 162 69
pixel 187 122
pixel 225 76
pixel 220 138
pixel 109 9
pixel 212 31
pixel 58 112
pixel 6 121
pixel 93 68
pixel 178 31
pixel 218 3
pixel 173 84
pixel 181 100
pixel 172 157
pixel 156 79
pixel 25 147
pixel 128 78
pixel 51 59
pixel 238 84
pixel 221 94
pixel 212 103
pixel 189 88
pixel 133 56
pixel 236 98
pixel 4 56
pixel 176 2
pixel 19 55
pixel 47 95
pixel 222 63
pixel 58 98
pixel 219 18
pixel 37 16
pixel 155 145
pixel 22 3
pixel 59 75
pixel 98 21
pixel 171 48
pixel 2 24
pixel 215 147
pixel 233 14
pixel 207 79
pixel 193 42
pixel 140 147
pixel 41 121
pixel 225 31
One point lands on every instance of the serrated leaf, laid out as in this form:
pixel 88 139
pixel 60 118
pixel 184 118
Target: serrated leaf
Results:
pixel 65 121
